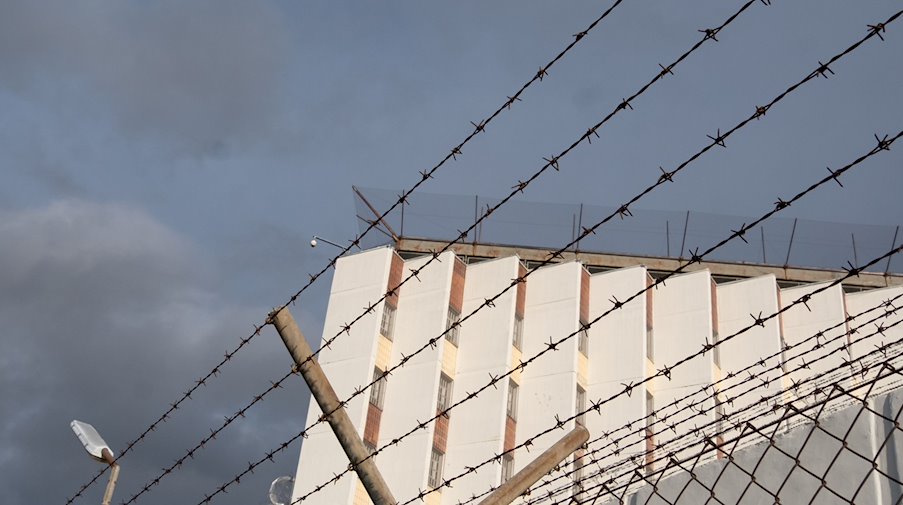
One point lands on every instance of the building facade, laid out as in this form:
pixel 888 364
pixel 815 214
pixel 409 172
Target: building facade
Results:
pixel 602 360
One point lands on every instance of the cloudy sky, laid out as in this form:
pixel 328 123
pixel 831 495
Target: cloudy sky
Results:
pixel 163 165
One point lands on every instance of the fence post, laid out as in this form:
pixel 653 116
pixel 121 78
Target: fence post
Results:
pixel 338 419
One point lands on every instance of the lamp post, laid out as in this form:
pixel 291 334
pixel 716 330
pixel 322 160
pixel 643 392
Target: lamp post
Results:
pixel 99 451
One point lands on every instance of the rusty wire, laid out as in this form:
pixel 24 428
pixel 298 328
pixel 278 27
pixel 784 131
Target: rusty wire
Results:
pixel 553 163
pixel 402 200
pixel 883 144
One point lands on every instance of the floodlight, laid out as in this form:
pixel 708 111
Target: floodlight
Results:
pixel 91 440
pixel 98 450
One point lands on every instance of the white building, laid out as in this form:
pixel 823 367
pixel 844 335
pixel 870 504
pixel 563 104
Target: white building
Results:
pixel 617 353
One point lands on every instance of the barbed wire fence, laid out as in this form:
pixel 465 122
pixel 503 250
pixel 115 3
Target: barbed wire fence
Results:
pixel 623 211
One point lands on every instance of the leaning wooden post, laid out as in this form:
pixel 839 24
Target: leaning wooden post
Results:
pixel 543 464
pixel 326 398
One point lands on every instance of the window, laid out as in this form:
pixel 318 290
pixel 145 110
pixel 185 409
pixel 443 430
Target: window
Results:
pixel 388 323
pixel 437 461
pixel 378 390
pixel 583 339
pixel 507 467
pixel 650 344
pixel 650 436
pixel 512 399
pixel 518 339
pixel 581 405
pixel 716 349
pixel 445 393
pixel 784 348
pixel 451 326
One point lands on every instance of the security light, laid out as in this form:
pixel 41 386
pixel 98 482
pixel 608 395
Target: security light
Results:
pixel 98 450
pixel 91 440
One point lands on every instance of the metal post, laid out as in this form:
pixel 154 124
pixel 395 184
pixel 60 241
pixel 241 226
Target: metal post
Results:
pixel 683 241
pixel 376 213
pixel 114 475
pixel 762 229
pixel 573 227
pixel 855 254
pixel 579 229
pixel 545 463
pixel 476 216
pixel 338 419
pixel 790 245
pixel 667 239
pixel 893 246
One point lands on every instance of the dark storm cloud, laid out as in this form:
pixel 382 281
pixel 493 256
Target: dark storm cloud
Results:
pixel 201 75
pixel 105 317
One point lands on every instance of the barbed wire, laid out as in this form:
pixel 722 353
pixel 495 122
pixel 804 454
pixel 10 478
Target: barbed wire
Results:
pixel 657 417
pixel 425 175
pixel 763 405
pixel 230 419
pixel 622 212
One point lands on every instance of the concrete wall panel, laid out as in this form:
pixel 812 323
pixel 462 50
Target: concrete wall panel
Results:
pixel 736 301
pixel 412 390
pixel 617 353
pixel 822 311
pixel 477 427
pixel 359 280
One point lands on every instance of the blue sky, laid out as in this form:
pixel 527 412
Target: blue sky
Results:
pixel 163 165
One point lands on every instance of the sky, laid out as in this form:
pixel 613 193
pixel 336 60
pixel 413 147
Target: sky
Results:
pixel 163 166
